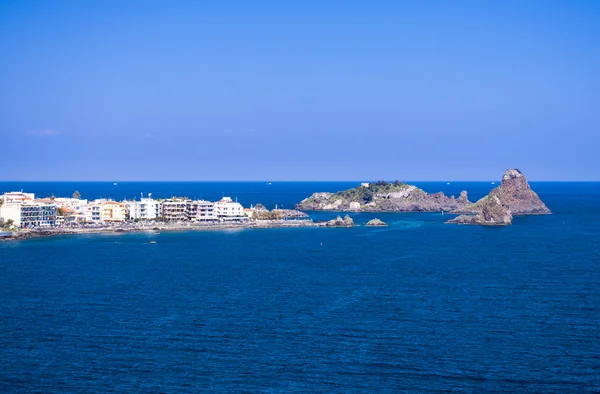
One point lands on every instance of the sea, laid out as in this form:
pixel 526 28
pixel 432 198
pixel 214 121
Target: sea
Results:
pixel 419 306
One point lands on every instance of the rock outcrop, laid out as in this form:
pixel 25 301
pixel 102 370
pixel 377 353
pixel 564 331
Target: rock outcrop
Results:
pixel 384 197
pixel 376 223
pixel 347 221
pixel 490 212
pixel 513 197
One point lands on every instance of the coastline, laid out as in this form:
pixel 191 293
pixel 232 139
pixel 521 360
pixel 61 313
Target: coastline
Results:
pixel 24 234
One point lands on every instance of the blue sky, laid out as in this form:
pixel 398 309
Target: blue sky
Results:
pixel 310 90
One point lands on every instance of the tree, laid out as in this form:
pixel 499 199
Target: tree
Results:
pixel 76 195
pixel 368 196
pixel 9 223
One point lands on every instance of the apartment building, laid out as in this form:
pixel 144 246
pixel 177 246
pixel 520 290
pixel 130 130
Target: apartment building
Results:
pixel 228 210
pixel 29 213
pixel 174 209
pixel 201 211
pixel 145 209
pixel 112 211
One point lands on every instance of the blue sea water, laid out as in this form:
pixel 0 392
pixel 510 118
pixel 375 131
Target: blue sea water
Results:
pixel 417 306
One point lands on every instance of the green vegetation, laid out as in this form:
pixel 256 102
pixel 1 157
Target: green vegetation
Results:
pixel 76 195
pixel 367 194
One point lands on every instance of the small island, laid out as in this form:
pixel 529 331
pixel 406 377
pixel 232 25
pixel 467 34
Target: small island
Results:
pixel 383 197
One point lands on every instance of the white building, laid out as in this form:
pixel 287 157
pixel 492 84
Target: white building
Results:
pixel 201 211
pixel 145 209
pixel 17 197
pixel 76 204
pixel 29 213
pixel 92 211
pixel 226 210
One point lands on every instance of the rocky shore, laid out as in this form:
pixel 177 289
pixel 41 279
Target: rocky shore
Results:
pixel 125 228
pixel 384 197
pixel 513 197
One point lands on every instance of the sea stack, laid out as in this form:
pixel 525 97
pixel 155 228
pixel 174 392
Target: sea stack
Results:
pixel 376 223
pixel 513 197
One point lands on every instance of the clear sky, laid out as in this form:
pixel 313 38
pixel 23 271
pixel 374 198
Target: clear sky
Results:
pixel 299 90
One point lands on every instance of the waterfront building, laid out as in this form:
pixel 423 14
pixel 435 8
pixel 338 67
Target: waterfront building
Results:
pixel 228 210
pixel 112 211
pixel 29 213
pixel 145 209
pixel 201 211
pixel 92 211
pixel 174 209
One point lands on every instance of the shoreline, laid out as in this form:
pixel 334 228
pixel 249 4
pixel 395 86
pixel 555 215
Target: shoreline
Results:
pixel 24 234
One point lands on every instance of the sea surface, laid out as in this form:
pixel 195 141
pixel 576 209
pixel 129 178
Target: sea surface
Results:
pixel 417 306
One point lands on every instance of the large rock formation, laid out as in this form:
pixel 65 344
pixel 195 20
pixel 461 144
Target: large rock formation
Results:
pixel 513 197
pixel 384 197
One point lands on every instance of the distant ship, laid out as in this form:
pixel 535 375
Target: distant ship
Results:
pixel 115 184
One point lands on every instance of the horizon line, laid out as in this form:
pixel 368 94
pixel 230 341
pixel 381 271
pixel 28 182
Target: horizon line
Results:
pixel 281 181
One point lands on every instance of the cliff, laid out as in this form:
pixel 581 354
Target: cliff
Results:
pixel 513 197
pixel 384 197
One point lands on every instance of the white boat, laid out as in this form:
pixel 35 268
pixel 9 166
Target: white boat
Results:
pixel 5 234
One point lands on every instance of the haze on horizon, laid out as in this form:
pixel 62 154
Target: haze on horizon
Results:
pixel 233 90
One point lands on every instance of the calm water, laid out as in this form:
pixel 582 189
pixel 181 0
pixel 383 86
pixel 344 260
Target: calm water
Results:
pixel 416 306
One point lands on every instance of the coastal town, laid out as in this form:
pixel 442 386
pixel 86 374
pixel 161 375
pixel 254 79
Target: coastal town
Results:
pixel 22 215
pixel 24 210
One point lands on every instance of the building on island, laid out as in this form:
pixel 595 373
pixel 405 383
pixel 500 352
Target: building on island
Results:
pixel 228 210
